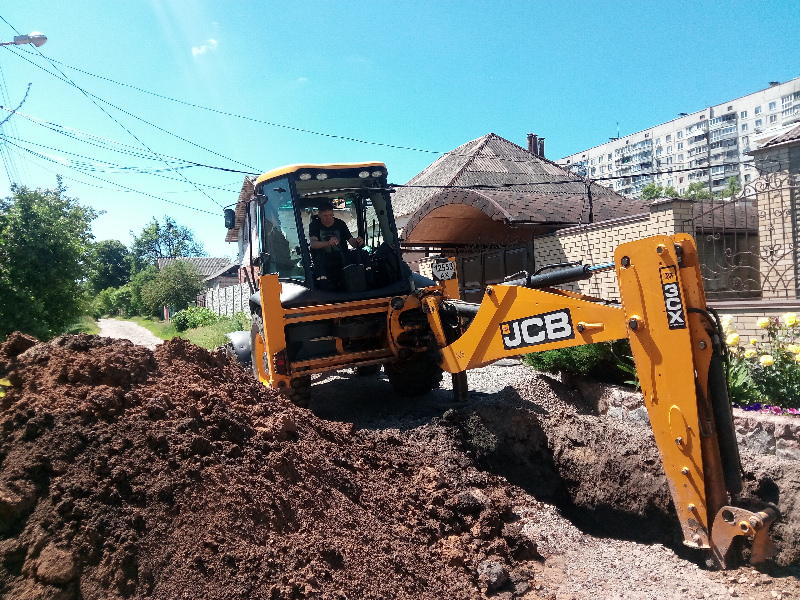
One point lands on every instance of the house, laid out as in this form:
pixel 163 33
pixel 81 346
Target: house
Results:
pixel 486 201
pixel 216 272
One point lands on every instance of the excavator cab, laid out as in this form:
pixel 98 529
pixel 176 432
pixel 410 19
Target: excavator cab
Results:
pixel 287 205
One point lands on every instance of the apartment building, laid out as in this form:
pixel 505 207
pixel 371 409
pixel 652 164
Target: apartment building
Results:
pixel 708 145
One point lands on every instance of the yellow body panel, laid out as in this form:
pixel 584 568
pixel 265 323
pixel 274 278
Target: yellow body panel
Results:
pixel 281 171
pixel 482 343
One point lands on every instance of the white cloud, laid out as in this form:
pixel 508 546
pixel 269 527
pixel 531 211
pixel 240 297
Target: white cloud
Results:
pixel 302 80
pixel 211 45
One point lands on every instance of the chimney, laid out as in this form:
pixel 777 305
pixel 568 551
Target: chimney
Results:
pixel 541 147
pixel 533 144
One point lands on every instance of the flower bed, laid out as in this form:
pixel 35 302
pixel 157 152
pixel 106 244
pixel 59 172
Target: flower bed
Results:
pixel 764 375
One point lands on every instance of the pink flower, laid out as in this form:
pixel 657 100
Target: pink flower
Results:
pixel 776 410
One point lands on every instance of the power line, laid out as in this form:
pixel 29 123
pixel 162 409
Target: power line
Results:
pixel 47 158
pixel 60 129
pixel 254 120
pixel 91 97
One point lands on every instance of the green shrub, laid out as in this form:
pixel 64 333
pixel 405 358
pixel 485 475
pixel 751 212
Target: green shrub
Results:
pixel 605 361
pixel 194 316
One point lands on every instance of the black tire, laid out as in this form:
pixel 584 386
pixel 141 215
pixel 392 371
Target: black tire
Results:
pixel 299 391
pixel 414 377
pixel 368 370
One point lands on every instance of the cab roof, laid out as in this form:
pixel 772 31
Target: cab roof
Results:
pixel 280 171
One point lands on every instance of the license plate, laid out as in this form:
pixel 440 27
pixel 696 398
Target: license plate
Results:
pixel 443 271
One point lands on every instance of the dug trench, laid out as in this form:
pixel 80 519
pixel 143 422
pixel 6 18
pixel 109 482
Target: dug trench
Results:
pixel 126 473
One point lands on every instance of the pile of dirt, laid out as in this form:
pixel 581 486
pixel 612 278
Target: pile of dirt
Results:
pixel 172 474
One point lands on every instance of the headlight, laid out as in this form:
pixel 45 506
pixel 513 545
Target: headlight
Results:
pixel 363 174
pixel 377 173
pixel 322 176
pixel 305 176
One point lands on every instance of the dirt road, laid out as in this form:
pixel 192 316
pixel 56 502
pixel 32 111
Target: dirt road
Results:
pixel 127 330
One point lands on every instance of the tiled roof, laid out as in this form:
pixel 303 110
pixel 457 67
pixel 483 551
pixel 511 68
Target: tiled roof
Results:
pixel 248 189
pixel 793 135
pixel 724 216
pixel 534 207
pixel 209 267
pixel 493 161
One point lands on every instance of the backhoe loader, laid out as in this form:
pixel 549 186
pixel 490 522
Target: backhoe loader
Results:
pixel 365 308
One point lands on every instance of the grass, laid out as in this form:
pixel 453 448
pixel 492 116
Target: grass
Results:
pixel 85 324
pixel 210 336
pixel 160 329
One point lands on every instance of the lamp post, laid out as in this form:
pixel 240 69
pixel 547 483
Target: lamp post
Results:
pixel 35 38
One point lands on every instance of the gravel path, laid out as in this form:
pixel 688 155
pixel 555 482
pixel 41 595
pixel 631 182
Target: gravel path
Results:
pixel 579 566
pixel 127 330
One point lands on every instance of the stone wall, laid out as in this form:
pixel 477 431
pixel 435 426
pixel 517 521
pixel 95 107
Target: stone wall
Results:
pixel 229 300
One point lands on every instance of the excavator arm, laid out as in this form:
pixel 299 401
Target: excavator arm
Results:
pixel 677 347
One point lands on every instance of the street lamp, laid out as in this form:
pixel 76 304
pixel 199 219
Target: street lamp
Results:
pixel 35 38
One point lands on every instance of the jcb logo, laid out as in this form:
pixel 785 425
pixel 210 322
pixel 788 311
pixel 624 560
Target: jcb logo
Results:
pixel 537 329
pixel 676 318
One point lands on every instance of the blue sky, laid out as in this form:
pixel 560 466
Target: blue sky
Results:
pixel 428 75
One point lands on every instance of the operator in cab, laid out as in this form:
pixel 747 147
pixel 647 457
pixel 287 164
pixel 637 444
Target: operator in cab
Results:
pixel 328 238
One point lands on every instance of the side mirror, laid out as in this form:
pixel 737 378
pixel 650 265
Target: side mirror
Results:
pixel 230 218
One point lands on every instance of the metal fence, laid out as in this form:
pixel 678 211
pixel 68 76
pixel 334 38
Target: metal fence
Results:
pixel 748 245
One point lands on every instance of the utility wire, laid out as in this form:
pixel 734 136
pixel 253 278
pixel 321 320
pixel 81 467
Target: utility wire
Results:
pixel 66 131
pixel 47 158
pixel 91 97
pixel 237 116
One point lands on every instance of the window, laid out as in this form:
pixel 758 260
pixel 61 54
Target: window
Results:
pixel 658 141
pixel 746 178
pixel 680 157
pixel 744 126
pixel 773 105
pixel 743 114
pixel 682 191
pixel 680 180
pixel 758 122
pixel 601 169
pixel 773 118
pixel 658 151
pixel 669 149
pixel 717 170
pixel 592 161
pixel 669 138
pixel 600 158
pixel 669 182
pixel 680 134
pixel 680 145
pixel 758 110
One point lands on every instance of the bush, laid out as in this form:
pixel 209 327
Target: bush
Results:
pixel 605 361
pixel 193 317
pixel 765 370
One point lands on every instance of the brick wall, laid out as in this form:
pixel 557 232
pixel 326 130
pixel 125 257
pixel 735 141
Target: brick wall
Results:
pixel 595 244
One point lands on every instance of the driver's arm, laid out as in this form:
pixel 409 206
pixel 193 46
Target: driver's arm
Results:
pixel 356 242
pixel 316 243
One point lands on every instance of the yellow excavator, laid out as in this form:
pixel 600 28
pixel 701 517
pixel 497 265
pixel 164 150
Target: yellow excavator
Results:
pixel 356 304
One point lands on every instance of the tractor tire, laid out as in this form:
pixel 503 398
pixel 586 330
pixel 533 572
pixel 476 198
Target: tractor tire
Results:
pixel 368 370
pixel 299 391
pixel 414 377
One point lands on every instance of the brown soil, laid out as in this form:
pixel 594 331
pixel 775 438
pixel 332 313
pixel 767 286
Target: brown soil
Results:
pixel 130 473
pixel 172 474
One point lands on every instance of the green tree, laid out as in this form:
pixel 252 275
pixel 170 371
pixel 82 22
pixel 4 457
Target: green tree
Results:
pixel 175 285
pixel 671 192
pixel 169 240
pixel 652 192
pixel 698 191
pixel 110 267
pixel 733 188
pixel 45 238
